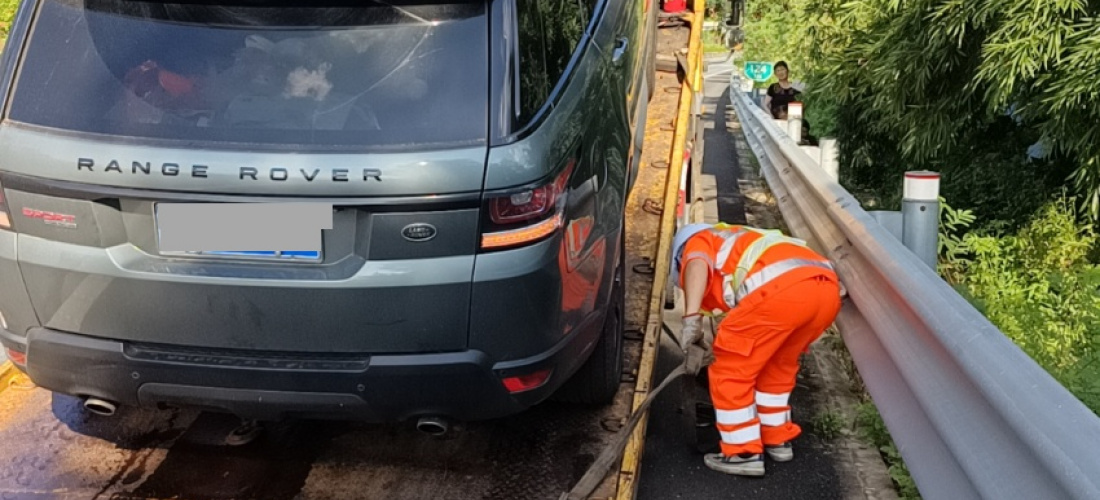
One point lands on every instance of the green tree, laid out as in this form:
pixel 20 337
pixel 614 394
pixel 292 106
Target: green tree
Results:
pixel 7 12
pixel 958 85
pixel 773 31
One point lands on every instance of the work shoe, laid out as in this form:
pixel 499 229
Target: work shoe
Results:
pixel 780 453
pixel 745 464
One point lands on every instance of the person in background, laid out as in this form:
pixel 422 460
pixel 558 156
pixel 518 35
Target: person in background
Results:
pixel 781 93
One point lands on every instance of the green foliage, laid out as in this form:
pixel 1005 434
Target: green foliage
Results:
pixel 718 11
pixel 899 472
pixel 712 42
pixel 779 30
pixel 828 425
pixel 773 33
pixel 7 12
pixel 953 251
pixel 873 429
pixel 870 425
pixel 964 86
pixel 821 112
pixel 1038 286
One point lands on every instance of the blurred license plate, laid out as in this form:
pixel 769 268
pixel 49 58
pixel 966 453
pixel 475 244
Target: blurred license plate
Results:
pixel 243 230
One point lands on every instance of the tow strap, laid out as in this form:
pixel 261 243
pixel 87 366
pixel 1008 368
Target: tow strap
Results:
pixel 614 450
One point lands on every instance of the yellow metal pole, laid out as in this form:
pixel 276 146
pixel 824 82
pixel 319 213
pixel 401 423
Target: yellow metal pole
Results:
pixel 632 457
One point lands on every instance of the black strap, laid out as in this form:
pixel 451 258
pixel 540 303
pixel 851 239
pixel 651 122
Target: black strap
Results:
pixel 614 450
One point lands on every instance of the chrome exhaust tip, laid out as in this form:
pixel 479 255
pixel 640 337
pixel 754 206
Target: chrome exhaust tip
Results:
pixel 100 406
pixel 433 426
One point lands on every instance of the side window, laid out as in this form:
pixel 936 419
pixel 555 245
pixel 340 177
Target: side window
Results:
pixel 549 32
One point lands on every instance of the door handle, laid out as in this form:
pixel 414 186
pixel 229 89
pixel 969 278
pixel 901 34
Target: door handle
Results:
pixel 620 50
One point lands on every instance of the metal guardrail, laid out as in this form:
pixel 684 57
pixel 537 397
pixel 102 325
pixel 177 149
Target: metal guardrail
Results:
pixel 973 416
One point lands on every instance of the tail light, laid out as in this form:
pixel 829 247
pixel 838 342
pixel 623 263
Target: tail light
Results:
pixel 17 357
pixel 527 216
pixel 526 382
pixel 5 216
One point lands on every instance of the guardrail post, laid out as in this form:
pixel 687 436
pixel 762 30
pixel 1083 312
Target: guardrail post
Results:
pixel 830 157
pixel 920 211
pixel 794 121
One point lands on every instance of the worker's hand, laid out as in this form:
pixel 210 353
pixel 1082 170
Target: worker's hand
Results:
pixel 697 353
pixel 692 331
pixel 696 358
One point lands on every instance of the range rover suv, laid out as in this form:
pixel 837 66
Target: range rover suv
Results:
pixel 433 192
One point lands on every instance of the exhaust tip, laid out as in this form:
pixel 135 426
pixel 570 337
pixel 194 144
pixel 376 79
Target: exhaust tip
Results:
pixel 100 407
pixel 433 426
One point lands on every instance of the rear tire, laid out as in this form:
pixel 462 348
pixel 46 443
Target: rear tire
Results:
pixel 597 381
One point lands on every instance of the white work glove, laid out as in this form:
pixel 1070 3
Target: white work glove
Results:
pixel 697 353
pixel 692 331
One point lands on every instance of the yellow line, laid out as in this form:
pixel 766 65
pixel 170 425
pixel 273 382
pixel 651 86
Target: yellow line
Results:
pixel 632 458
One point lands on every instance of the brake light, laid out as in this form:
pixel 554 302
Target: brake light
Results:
pixel 523 206
pixel 527 216
pixel 526 382
pixel 5 216
pixel 17 357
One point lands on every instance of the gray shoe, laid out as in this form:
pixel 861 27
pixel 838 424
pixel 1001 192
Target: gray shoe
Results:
pixel 781 453
pixel 750 465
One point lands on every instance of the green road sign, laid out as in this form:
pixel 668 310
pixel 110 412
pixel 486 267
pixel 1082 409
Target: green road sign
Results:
pixel 758 71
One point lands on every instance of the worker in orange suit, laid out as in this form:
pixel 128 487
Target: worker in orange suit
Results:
pixel 778 296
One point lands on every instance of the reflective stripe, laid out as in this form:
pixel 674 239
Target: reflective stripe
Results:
pixel 724 254
pixel 728 240
pixel 739 284
pixel 742 436
pixel 756 249
pixel 773 271
pixel 771 399
pixel 775 419
pixel 736 417
pixel 732 283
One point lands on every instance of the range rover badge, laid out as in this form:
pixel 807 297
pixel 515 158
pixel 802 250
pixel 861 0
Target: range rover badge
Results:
pixel 419 232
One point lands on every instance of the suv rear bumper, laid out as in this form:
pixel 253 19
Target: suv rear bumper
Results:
pixel 464 385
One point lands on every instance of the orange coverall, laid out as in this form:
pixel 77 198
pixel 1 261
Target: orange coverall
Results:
pixel 757 345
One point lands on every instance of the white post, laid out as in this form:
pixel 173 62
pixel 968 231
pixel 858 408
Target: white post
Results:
pixel 794 121
pixel 830 157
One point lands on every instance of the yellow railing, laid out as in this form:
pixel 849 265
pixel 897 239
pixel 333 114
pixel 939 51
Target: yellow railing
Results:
pixel 691 85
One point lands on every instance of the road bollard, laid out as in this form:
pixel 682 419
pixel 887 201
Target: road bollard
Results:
pixel 794 121
pixel 920 211
pixel 830 157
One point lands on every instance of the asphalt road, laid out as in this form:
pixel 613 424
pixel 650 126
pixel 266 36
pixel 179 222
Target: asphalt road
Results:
pixel 671 467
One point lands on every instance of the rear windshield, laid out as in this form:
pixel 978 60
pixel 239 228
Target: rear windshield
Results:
pixel 371 74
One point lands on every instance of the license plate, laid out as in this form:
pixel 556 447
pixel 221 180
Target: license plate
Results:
pixel 243 230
